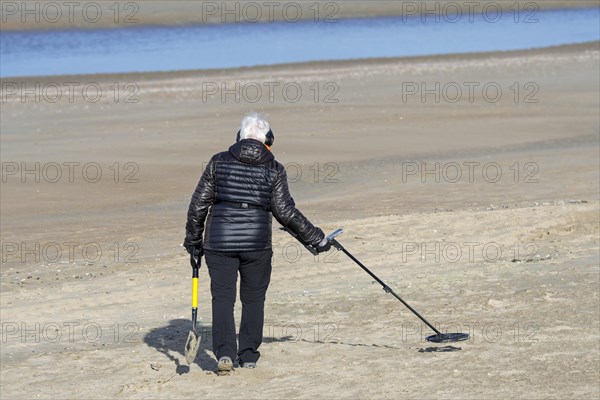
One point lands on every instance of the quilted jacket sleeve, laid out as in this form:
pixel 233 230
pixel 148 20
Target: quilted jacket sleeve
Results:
pixel 202 199
pixel 285 212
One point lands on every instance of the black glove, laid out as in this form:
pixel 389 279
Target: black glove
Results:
pixel 195 255
pixel 323 246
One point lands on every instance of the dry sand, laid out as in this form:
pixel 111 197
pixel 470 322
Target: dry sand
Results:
pixel 513 260
pixel 88 14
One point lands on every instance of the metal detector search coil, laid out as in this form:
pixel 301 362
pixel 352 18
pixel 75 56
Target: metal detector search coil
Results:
pixel 447 337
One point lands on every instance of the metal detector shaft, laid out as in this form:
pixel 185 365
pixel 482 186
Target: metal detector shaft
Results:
pixel 386 288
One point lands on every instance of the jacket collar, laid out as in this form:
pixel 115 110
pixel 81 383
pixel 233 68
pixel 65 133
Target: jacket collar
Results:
pixel 251 151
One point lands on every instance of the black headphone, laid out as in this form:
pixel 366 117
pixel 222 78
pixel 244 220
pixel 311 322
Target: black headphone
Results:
pixel 268 142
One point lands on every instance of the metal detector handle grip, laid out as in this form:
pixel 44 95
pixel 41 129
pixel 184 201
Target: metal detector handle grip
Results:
pixel 331 237
pixel 310 248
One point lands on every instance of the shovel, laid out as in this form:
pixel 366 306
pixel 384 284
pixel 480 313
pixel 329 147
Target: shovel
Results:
pixel 193 340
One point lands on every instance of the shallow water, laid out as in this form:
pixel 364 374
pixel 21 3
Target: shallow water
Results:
pixel 145 49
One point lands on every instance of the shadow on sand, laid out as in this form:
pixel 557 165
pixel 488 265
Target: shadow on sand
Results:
pixel 170 341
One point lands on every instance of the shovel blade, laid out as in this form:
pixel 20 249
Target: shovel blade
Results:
pixel 191 347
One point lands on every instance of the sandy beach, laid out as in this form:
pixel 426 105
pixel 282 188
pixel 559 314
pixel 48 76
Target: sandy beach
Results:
pixel 469 183
pixel 87 14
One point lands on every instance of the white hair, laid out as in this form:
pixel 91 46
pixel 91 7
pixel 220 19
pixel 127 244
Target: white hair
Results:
pixel 254 126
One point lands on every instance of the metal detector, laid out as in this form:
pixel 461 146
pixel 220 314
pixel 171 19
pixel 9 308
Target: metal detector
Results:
pixel 439 337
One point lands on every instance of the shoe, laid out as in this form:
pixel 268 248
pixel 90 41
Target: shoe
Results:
pixel 225 364
pixel 249 365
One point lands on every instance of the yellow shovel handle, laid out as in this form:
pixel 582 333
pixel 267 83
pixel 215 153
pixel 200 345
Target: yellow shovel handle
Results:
pixel 194 292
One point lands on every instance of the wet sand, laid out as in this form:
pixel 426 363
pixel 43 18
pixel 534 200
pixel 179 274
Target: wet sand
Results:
pixel 507 251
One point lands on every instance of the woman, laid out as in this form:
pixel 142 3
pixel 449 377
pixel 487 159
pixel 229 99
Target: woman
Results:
pixel 238 193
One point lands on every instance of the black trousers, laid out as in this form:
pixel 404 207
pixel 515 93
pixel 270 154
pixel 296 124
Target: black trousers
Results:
pixel 255 273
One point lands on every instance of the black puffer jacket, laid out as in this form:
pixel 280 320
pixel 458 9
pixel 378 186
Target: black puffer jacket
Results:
pixel 239 191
